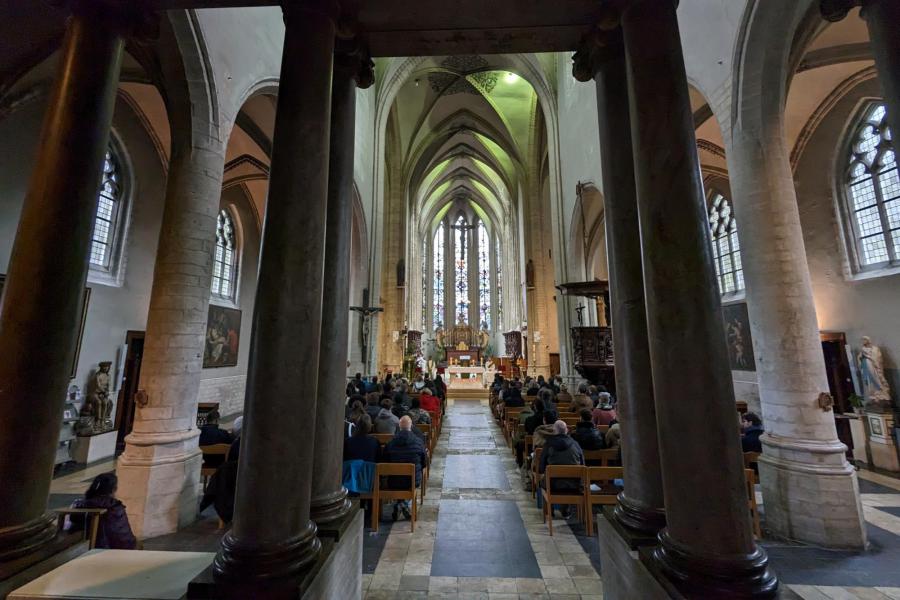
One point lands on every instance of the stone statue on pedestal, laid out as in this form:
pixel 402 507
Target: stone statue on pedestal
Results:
pixel 96 414
pixel 876 390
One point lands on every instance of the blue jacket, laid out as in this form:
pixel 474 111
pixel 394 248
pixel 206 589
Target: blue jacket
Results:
pixel 358 476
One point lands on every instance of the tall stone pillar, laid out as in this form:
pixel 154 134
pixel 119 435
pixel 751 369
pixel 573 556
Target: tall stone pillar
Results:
pixel 273 542
pixel 641 505
pixel 882 18
pixel 352 68
pixel 707 548
pixel 48 268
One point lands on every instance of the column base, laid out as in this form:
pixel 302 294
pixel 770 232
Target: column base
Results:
pixel 27 538
pixel 811 493
pixel 714 576
pixel 159 481
pixel 327 512
pixel 242 568
pixel 640 523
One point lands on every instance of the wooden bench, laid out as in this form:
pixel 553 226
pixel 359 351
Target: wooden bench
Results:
pixel 207 470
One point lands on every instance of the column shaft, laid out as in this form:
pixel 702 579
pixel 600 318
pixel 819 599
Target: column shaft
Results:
pixel 273 540
pixel 329 497
pixel 48 268
pixel 641 505
pixel 883 17
pixel 708 546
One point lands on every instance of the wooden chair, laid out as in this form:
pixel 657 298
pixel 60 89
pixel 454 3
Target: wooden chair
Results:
pixel 568 415
pixel 600 458
pixel 750 477
pixel 603 476
pixel 383 438
pixel 549 497
pixel 92 520
pixel 570 422
pixel 750 459
pixel 603 429
pixel 511 422
pixel 374 497
pixel 206 470
pixel 529 445
pixel 535 476
pixel 429 436
pixel 396 469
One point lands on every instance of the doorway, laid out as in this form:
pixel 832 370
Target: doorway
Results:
pixel 134 340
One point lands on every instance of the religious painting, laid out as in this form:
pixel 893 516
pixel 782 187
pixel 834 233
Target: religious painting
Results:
pixel 223 332
pixel 737 336
pixel 81 322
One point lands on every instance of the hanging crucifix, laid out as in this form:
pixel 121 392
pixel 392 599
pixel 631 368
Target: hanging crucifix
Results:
pixel 367 313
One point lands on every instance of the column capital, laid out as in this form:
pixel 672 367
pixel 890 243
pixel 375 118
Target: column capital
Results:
pixel 835 10
pixel 596 48
pixel 353 55
pixel 129 19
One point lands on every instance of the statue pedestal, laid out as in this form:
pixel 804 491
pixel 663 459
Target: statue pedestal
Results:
pixel 87 449
pixel 883 447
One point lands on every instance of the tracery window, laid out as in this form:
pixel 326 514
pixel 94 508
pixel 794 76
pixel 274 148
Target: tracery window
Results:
pixel 725 247
pixel 499 269
pixel 225 268
pixel 872 192
pixel 460 235
pixel 437 253
pixel 484 277
pixel 424 282
pixel 109 209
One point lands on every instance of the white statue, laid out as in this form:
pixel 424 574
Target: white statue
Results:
pixel 876 390
pixel 431 367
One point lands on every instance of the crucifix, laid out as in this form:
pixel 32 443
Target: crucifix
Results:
pixel 578 310
pixel 367 313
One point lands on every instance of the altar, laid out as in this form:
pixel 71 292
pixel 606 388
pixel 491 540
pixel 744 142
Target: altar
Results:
pixel 465 377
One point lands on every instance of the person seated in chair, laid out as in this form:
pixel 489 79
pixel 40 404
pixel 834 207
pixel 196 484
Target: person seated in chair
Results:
pixel 429 402
pixel 114 531
pixel 418 414
pixel 361 445
pixel 751 429
pixel 604 414
pixel 581 400
pixel 513 398
pixel 542 432
pixel 406 447
pixel 386 421
pixel 560 449
pixel 373 404
pixel 222 486
pixel 586 434
pixel 211 433
pixel 563 397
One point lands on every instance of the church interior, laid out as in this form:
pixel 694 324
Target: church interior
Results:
pixel 331 299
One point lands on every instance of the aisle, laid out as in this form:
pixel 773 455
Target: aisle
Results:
pixel 479 533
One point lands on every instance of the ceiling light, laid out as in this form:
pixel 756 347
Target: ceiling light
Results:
pixel 511 77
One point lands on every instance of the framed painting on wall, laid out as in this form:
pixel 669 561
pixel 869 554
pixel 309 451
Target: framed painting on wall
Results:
pixel 86 299
pixel 737 336
pixel 223 332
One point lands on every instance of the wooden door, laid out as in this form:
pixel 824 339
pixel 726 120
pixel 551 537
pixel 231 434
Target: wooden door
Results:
pixel 554 364
pixel 132 376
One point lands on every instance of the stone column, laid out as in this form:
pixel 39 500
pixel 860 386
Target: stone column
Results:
pixel 48 268
pixel 641 505
pixel 707 548
pixel 273 542
pixel 352 69
pixel 882 18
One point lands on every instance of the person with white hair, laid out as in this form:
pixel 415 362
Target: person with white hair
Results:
pixel 560 449
pixel 406 447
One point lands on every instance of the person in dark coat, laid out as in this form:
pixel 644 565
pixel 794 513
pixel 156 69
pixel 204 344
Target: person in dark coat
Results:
pixel 513 398
pixel 751 429
pixel 222 486
pixel 586 434
pixel 406 447
pixel 361 445
pixel 211 433
pixel 373 405
pixel 114 530
pixel 560 449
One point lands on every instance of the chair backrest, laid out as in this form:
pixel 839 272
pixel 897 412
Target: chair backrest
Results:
pixel 750 458
pixel 563 472
pixel 215 449
pixel 603 429
pixel 605 476
pixel 568 415
pixel 571 422
pixel 604 457
pixel 383 438
pixel 537 458
pixel 396 469
pixel 529 443
pixel 424 428
pixel 750 479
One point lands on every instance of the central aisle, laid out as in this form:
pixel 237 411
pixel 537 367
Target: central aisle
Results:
pixel 479 533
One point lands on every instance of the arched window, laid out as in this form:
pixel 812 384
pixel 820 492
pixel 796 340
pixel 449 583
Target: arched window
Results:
pixel 725 247
pixel 225 268
pixel 460 237
pixel 106 221
pixel 872 192
pixel 499 269
pixel 437 253
pixel 484 277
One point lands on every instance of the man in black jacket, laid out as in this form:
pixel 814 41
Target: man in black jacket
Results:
pixel 751 429
pixel 560 449
pixel 406 447
pixel 586 434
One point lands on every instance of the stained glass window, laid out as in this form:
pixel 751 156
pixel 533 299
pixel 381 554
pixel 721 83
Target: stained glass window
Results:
pixel 108 206
pixel 873 191
pixel 424 256
pixel 225 260
pixel 499 269
pixel 437 253
pixel 484 278
pixel 725 247
pixel 460 234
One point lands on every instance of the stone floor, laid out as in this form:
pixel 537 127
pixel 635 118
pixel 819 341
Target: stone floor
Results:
pixel 480 534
